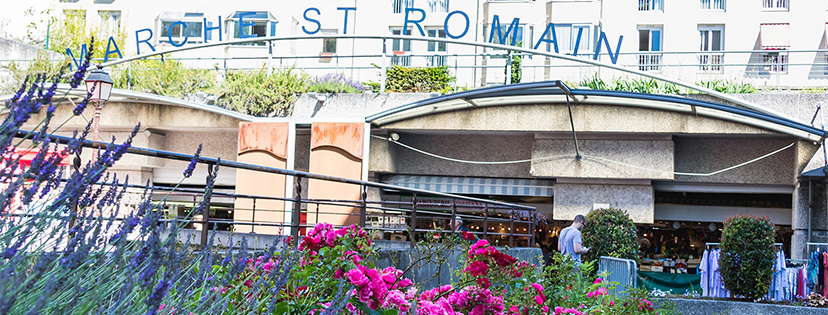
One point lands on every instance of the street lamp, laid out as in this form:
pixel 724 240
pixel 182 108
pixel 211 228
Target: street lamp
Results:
pixel 99 84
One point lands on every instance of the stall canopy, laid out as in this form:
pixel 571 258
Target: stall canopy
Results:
pixel 474 185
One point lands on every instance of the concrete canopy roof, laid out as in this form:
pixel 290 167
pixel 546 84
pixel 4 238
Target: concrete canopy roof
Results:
pixel 557 92
pixel 129 96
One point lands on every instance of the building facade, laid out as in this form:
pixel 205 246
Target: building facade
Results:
pixel 768 43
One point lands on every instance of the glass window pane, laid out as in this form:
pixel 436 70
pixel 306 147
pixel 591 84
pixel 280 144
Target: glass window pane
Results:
pixel 656 36
pixel 643 40
pixel 563 33
pixel 717 40
pixel 704 40
pixel 193 29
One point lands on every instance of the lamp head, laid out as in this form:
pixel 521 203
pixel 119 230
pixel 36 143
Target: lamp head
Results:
pixel 99 83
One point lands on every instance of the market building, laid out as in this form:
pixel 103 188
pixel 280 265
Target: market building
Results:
pixel 678 165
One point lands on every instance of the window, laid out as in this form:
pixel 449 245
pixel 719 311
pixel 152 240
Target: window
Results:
pixel 104 1
pixel 440 48
pixel 650 44
pixel 399 6
pixel 775 4
pixel 111 19
pixel 257 24
pixel 524 33
pixel 567 38
pixel 711 46
pixel 401 47
pixel 170 28
pixel 329 44
pixel 712 4
pixel 775 38
pixel 650 5
pixel 438 5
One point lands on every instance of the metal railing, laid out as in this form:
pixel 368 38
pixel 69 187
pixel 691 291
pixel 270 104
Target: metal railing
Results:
pixel 650 5
pixel 623 271
pixel 712 4
pixel 649 62
pixel 413 217
pixel 798 68
pixel 711 62
pixel 775 4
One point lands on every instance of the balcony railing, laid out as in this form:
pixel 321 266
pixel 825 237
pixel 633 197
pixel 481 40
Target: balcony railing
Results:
pixel 650 5
pixel 775 62
pixel 775 4
pixel 711 62
pixel 399 6
pixel 402 61
pixel 712 4
pixel 436 60
pixel 649 62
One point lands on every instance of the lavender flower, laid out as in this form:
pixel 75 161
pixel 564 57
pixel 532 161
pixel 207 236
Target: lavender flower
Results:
pixel 82 105
pixel 79 75
pixel 189 171
pixel 336 83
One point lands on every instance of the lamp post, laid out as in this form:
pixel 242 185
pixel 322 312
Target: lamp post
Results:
pixel 99 84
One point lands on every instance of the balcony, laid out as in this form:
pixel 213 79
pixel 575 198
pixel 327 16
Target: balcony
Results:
pixel 775 4
pixel 651 5
pixel 649 62
pixel 711 62
pixel 714 5
pixel 436 60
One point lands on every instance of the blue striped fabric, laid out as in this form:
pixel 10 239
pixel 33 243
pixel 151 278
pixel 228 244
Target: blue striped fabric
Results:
pixel 474 185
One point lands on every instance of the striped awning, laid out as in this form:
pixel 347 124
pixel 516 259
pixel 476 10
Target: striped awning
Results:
pixel 775 36
pixel 474 185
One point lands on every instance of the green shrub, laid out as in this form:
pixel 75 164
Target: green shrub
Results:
pixel 421 80
pixel 610 232
pixel 747 255
pixel 164 77
pixel 21 69
pixel 256 93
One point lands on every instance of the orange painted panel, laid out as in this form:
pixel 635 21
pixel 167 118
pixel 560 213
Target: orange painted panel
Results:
pixel 334 162
pixel 271 137
pixel 345 136
pixel 260 184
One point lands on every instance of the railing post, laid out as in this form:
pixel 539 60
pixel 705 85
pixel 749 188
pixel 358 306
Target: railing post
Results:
pixel 453 213
pixel 532 232
pixel 413 219
pixel 485 220
pixel 511 229
pixel 297 212
pixel 383 74
pixel 253 220
pixel 364 206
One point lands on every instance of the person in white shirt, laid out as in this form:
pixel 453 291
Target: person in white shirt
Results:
pixel 569 242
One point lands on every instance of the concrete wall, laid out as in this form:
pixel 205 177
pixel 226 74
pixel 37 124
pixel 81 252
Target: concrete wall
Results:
pixel 703 155
pixel 649 154
pixel 393 158
pixel 574 199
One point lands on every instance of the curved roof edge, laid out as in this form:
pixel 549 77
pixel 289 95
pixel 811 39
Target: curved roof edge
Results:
pixel 121 95
pixel 557 91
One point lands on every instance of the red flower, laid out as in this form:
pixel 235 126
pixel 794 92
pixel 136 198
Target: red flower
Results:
pixel 484 282
pixel 477 268
pixel 436 235
pixel 468 236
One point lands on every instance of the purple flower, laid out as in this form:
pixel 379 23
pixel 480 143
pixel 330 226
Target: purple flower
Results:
pixel 82 105
pixel 189 171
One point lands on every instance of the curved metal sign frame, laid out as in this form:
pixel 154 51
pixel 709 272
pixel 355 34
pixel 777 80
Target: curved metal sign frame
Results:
pixel 716 94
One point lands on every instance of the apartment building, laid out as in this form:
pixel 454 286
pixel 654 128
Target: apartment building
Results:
pixel 774 43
